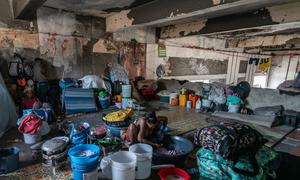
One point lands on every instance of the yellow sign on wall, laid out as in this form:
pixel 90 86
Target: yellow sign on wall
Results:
pixel 265 64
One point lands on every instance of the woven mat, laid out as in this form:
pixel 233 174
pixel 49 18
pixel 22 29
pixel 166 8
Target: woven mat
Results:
pixel 180 119
pixel 37 172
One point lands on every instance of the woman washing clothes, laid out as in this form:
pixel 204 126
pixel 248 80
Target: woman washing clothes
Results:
pixel 148 129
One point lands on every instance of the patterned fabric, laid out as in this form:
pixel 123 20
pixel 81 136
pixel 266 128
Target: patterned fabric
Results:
pixel 213 166
pixel 228 140
pixel 38 172
pixel 118 73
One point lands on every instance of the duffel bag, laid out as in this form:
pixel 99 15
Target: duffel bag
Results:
pixel 230 141
pixel 214 166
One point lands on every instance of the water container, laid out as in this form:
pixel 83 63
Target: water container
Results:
pixel 198 104
pixel 182 100
pixel 126 91
pixel 84 167
pixel 104 102
pixel 143 154
pixel 233 108
pixel 188 104
pixel 123 165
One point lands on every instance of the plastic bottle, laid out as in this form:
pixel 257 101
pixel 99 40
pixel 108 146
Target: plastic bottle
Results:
pixel 198 104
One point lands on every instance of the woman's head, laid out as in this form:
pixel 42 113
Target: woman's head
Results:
pixel 29 92
pixel 151 117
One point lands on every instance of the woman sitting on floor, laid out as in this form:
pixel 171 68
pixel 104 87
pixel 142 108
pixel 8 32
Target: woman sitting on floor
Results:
pixel 29 99
pixel 148 129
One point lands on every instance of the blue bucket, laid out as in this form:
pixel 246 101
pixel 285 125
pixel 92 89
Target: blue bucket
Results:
pixel 84 164
pixel 104 102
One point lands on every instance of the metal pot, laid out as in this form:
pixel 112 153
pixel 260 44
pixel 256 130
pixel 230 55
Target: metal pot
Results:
pixel 179 143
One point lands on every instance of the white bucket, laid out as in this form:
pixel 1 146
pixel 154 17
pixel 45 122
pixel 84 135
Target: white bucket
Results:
pixel 32 139
pixel 173 96
pixel 123 165
pixel 233 108
pixel 143 154
pixel 126 91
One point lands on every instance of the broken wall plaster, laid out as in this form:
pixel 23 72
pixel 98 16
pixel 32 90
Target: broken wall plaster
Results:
pixel 140 34
pixel 12 38
pixel 118 21
pixel 180 30
pixel 103 47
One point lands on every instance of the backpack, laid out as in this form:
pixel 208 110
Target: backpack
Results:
pixel 18 68
pixel 230 141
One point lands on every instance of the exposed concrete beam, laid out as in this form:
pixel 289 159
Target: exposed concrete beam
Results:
pixel 263 41
pixel 164 12
pixel 275 19
pixel 26 9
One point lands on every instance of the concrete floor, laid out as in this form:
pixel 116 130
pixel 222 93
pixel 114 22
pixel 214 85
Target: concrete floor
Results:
pixel 288 169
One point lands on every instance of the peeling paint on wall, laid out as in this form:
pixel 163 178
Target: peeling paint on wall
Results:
pixel 118 21
pixel 133 58
pixel 13 38
pixel 101 47
pixel 180 30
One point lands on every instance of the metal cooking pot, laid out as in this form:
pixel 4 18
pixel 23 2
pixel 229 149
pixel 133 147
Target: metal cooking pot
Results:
pixel 179 143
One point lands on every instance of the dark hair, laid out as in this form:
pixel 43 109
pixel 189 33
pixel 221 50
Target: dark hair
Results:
pixel 151 117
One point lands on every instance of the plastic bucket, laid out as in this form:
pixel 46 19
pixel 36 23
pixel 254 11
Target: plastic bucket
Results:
pixel 126 91
pixel 104 102
pixel 173 173
pixel 32 139
pixel 9 159
pixel 164 98
pixel 123 165
pixel 84 161
pixel 233 108
pixel 143 154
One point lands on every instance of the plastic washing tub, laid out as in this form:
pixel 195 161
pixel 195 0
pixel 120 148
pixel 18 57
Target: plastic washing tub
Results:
pixel 173 173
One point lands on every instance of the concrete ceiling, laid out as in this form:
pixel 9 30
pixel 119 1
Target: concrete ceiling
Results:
pixel 99 8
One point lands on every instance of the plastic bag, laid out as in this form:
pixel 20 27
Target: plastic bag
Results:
pixel 92 81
